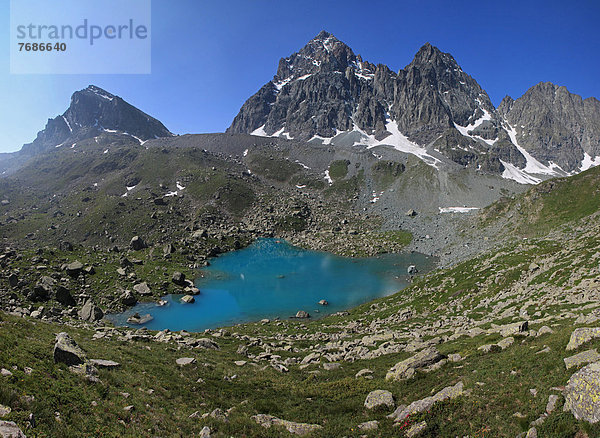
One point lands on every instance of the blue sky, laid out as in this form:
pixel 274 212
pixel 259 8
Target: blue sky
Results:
pixel 209 56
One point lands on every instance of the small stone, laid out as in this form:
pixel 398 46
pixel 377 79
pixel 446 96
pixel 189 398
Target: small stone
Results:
pixel 552 403
pixel 129 408
pixel 365 372
pixel 368 425
pixel 531 433
pixel 302 314
pixel 101 363
pixel 490 348
pixel 533 392
pixel 323 303
pixel 506 342
pixel 416 429
pixel 67 351
pixel 544 330
pixel 4 411
pixel 205 432
pixel 5 373
pixel 183 361
pixel 142 289
pixel 137 243
pixel 331 366
pixel 240 363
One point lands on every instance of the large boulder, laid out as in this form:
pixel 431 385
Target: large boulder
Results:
pixel 582 394
pixel 379 398
pixel 74 269
pixel 9 429
pixel 64 297
pixel 142 289
pixel 581 336
pixel 178 278
pixel 425 404
pixel 90 312
pixel 67 351
pixel 137 243
pixel 407 368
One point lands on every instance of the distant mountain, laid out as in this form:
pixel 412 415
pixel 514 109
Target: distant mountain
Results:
pixel 433 109
pixel 94 111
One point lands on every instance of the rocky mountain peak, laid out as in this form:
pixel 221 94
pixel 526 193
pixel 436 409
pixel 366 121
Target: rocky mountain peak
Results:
pixel 323 53
pixel 93 111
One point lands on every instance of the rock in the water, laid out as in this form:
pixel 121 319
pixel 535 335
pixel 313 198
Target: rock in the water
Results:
pixel 90 312
pixel 142 289
pixel 412 270
pixel 323 303
pixel 302 314
pixel 582 358
pixel 406 369
pixel 137 243
pixel 379 398
pixel 267 421
pixel 9 429
pixel 137 319
pixel 582 393
pixel 183 361
pixel 189 299
pixel 67 351
pixel 425 404
pixel 582 335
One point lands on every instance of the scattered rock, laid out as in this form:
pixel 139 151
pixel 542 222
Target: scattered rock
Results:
pixel 330 366
pixel 189 299
pixel 183 361
pixel 267 421
pixel 142 289
pixel 101 363
pixel 137 243
pixel 138 319
pixel 74 269
pixel 490 348
pixel 64 297
pixel 90 312
pixel 178 278
pixel 67 351
pixel 205 432
pixel 302 314
pixel 379 398
pixel 582 358
pixel 416 429
pixel 5 373
pixel 128 299
pixel 366 373
pixel 552 404
pixel 9 429
pixel 582 335
pixel 425 404
pixel 544 330
pixel 368 425
pixel 4 411
pixel 582 393
pixel 411 213
pixel 407 368
pixel 506 342
pixel 323 303
pixel 531 433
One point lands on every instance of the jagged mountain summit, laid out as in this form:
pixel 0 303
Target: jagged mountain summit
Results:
pixel 94 111
pixel 432 109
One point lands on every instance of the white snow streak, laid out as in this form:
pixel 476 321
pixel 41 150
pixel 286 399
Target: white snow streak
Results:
pixel 457 209
pixel 327 177
pixel 518 175
pixel 588 162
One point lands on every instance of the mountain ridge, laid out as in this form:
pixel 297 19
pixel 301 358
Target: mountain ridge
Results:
pixel 326 93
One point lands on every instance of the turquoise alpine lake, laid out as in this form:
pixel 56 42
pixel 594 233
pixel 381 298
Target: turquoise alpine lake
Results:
pixel 271 279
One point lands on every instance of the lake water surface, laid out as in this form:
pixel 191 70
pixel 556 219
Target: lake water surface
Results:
pixel 272 278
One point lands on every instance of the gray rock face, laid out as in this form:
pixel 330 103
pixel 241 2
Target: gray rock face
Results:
pixel 325 89
pixel 67 351
pixel 555 125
